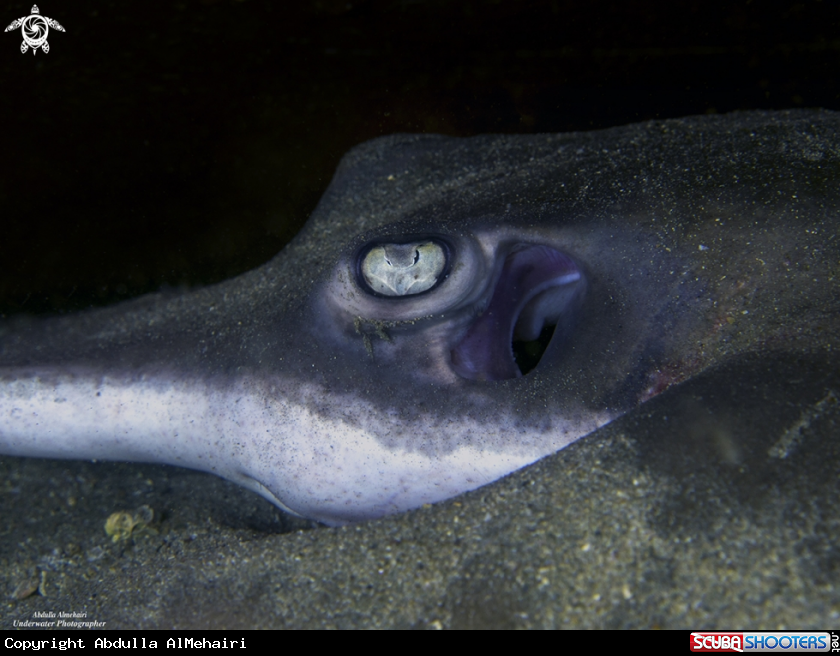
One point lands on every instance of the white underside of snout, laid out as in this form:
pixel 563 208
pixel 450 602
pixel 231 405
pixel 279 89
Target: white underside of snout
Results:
pixel 358 462
pixel 333 458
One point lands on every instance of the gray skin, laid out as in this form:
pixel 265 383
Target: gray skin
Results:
pixel 699 240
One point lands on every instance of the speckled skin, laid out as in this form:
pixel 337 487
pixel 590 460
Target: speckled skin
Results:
pixel 702 240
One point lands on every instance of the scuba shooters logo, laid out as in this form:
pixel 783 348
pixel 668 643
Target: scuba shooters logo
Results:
pixel 755 641
pixel 717 642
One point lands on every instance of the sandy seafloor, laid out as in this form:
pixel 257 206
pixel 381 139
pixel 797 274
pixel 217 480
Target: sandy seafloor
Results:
pixel 713 505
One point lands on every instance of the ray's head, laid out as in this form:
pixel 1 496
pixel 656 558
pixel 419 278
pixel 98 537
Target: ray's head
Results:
pixel 480 305
pixel 436 360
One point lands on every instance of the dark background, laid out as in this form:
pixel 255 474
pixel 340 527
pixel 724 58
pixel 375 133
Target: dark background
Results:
pixel 180 143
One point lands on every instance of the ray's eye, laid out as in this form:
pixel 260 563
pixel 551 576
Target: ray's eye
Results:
pixel 404 269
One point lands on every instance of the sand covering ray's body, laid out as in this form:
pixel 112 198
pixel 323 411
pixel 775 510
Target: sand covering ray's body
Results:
pixel 688 242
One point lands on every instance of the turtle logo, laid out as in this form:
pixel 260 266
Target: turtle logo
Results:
pixel 35 29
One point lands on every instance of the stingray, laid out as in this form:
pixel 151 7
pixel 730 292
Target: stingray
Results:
pixel 454 310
